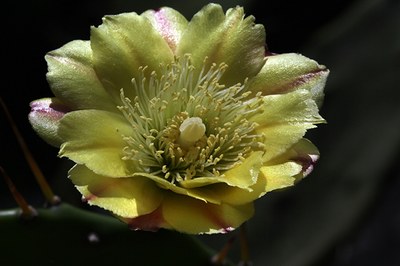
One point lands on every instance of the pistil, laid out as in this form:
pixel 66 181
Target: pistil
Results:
pixel 191 130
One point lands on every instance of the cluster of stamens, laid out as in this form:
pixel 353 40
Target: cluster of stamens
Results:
pixel 187 125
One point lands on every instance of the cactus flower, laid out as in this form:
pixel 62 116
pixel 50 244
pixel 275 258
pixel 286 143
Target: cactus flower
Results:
pixel 180 124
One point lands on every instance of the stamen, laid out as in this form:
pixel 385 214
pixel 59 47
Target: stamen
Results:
pixel 184 127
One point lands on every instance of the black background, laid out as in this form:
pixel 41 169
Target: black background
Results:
pixel 347 212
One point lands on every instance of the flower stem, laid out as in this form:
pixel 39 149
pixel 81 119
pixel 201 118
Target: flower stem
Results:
pixel 27 210
pixel 244 247
pixel 219 258
pixel 44 186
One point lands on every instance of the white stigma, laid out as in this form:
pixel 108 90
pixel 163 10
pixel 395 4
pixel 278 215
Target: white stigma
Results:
pixel 191 130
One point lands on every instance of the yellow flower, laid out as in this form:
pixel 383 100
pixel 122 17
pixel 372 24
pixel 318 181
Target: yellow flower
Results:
pixel 180 124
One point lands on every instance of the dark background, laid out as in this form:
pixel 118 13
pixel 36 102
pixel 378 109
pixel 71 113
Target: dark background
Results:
pixel 347 212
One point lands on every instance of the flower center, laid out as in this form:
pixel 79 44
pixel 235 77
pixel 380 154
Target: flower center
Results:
pixel 187 125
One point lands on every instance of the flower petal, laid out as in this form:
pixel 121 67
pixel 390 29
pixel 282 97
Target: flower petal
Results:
pixel 121 45
pixel 194 217
pixel 169 23
pixel 147 222
pixel 94 138
pixel 270 178
pixel 229 38
pixel 45 118
pixel 125 197
pixel 242 176
pixel 284 73
pixel 73 80
pixel 303 153
pixel 167 185
pixel 283 171
pixel 280 176
pixel 233 195
pixel 285 120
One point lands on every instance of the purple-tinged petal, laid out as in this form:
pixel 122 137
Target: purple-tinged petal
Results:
pixel 148 222
pixel 307 155
pixel 169 23
pixel 303 153
pixel 45 118
pixel 284 73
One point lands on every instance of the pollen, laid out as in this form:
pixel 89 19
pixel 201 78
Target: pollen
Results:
pixel 185 124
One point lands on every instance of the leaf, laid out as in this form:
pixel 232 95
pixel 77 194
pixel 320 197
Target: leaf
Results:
pixel 66 235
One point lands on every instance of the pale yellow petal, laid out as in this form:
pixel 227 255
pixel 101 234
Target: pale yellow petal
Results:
pixel 95 138
pixel 121 45
pixel 280 176
pixel 126 197
pixel 243 176
pixel 270 178
pixel 230 38
pixel 195 217
pixel 73 80
pixel 285 120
